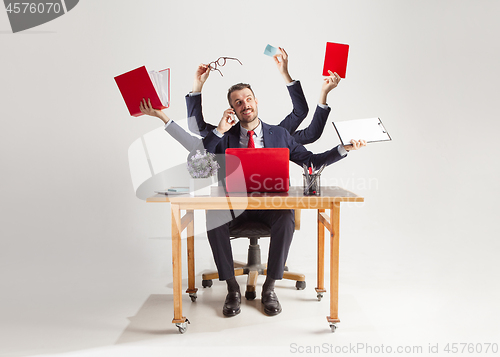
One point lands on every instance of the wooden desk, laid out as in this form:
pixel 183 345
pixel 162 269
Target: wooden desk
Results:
pixel 330 199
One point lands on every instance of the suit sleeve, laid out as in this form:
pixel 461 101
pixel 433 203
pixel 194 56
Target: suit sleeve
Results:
pixel 187 140
pixel 315 129
pixel 208 143
pixel 300 108
pixel 196 122
pixel 300 155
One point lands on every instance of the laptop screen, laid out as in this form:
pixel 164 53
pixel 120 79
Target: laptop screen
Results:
pixel 257 170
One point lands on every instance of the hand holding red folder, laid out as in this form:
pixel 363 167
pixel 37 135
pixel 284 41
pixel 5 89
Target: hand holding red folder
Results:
pixel 139 83
pixel 147 108
pixel 331 81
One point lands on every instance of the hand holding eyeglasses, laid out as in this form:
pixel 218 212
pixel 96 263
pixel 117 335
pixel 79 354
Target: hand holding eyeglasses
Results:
pixel 203 71
pixel 200 77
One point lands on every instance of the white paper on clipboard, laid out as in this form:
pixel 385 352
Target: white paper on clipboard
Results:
pixel 371 130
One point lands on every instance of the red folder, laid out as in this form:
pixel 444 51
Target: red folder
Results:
pixel 137 84
pixel 336 59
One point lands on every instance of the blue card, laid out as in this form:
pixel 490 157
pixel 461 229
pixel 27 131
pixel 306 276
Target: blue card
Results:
pixel 270 50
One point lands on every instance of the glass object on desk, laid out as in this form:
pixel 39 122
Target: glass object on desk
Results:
pixel 312 185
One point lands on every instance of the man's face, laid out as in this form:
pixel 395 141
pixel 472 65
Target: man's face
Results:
pixel 244 105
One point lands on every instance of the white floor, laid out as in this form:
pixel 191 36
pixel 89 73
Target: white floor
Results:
pixel 409 301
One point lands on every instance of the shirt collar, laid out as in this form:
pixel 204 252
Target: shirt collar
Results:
pixel 257 130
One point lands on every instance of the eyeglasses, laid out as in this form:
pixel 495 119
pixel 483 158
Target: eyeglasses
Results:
pixel 221 62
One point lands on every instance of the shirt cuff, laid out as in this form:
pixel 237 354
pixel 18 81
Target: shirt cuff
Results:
pixel 168 123
pixel 324 106
pixel 192 94
pixel 291 83
pixel 217 133
pixel 342 150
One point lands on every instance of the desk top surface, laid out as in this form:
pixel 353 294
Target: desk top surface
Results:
pixel 294 198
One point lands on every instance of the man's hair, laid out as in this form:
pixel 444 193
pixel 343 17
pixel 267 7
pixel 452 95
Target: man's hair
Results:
pixel 236 87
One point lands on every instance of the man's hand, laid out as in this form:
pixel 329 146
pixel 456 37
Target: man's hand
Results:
pixel 147 108
pixel 355 145
pixel 329 83
pixel 200 77
pixel 227 121
pixel 281 60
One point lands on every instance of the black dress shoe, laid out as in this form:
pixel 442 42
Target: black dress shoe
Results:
pixel 271 303
pixel 232 304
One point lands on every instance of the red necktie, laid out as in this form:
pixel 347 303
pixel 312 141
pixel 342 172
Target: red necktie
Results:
pixel 251 143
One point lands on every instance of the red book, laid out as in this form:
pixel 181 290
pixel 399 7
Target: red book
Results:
pixel 336 59
pixel 139 83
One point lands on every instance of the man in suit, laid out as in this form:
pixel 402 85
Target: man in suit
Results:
pixel 197 124
pixel 250 131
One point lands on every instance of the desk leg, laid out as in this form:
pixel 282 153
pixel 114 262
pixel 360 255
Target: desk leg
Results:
pixel 320 289
pixel 190 255
pixel 177 265
pixel 334 265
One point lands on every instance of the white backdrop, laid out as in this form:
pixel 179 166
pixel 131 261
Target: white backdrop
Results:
pixel 78 248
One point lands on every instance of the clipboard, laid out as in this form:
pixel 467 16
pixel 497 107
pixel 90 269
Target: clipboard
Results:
pixel 372 130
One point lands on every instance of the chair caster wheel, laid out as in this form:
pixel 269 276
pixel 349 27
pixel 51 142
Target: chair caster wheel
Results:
pixel 206 283
pixel 182 326
pixel 250 295
pixel 193 297
pixel 300 285
pixel 333 327
pixel 319 296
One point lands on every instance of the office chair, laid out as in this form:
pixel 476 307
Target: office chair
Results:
pixel 253 266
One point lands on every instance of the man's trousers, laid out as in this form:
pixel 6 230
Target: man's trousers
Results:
pixel 281 222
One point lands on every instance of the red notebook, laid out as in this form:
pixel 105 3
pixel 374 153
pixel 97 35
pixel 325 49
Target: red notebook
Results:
pixel 336 59
pixel 257 170
pixel 139 83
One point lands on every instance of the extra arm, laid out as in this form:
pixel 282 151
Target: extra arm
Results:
pixel 300 155
pixel 187 140
pixel 315 129
pixel 300 108
pixel 196 122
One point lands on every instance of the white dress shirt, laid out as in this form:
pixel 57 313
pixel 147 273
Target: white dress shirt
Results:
pixel 258 138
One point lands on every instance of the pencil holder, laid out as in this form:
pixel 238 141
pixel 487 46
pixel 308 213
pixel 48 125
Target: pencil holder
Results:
pixel 312 185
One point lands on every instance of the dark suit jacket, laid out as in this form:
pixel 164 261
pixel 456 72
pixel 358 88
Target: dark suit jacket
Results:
pixel 197 124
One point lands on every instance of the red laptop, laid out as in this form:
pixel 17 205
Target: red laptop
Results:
pixel 257 170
